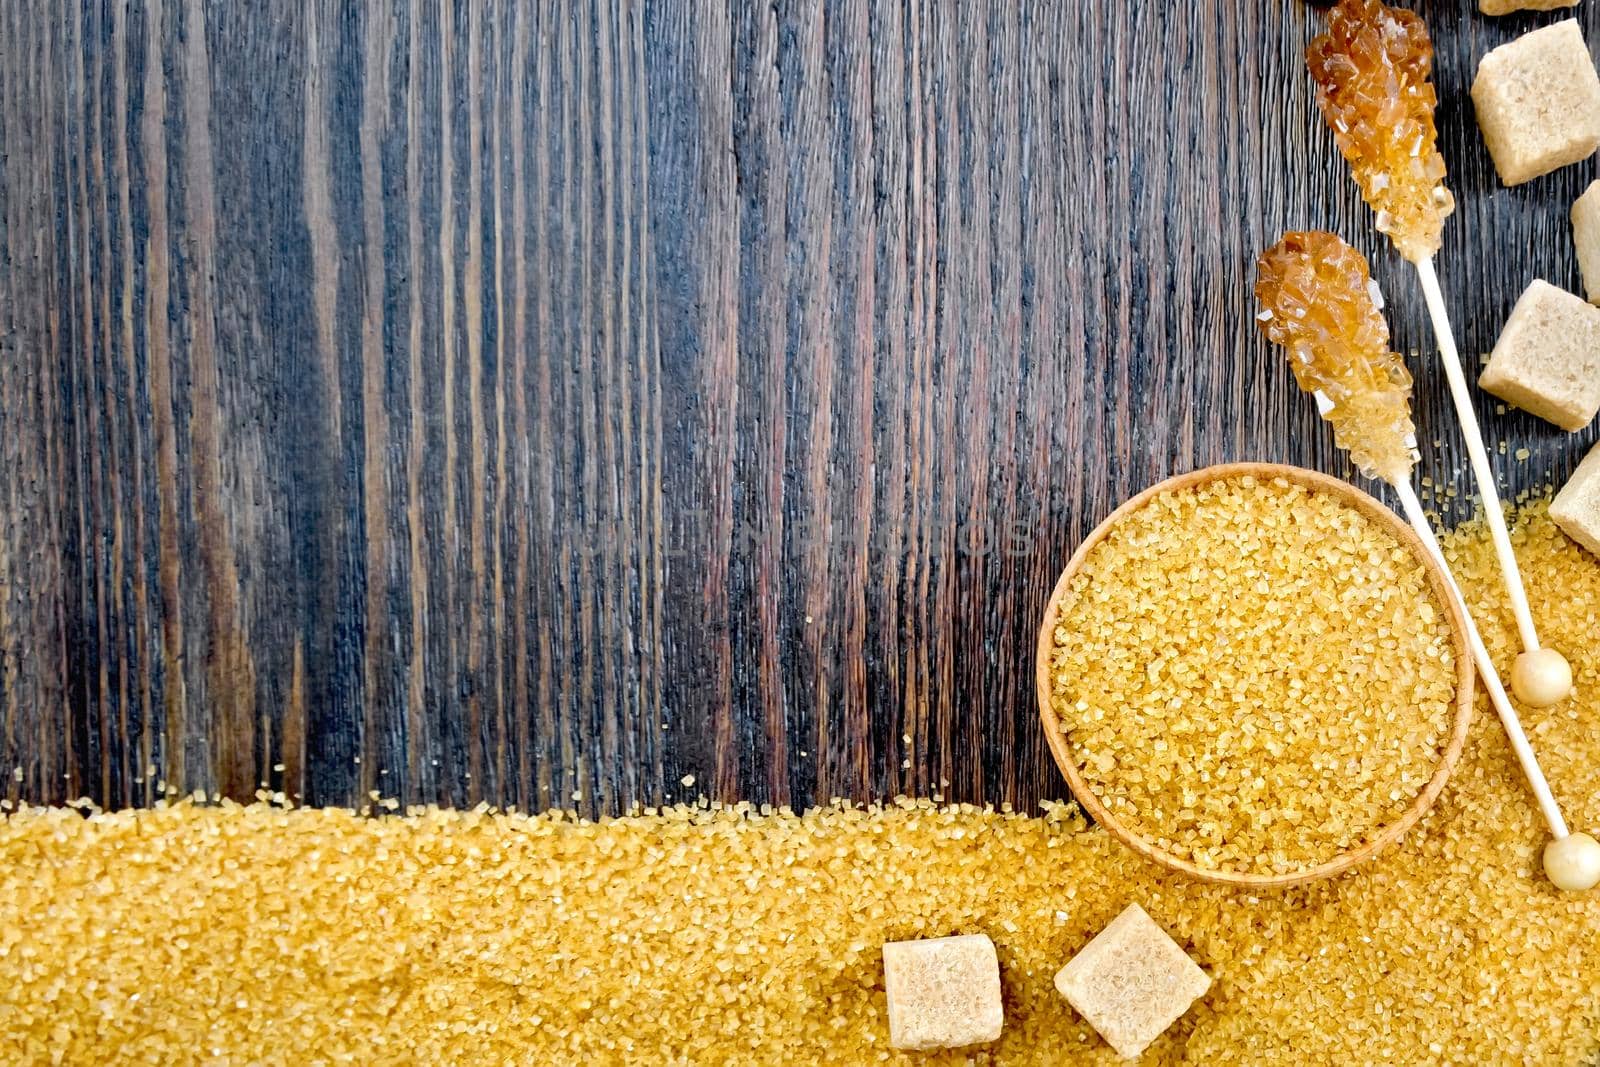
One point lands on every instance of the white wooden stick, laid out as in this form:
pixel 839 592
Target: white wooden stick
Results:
pixel 1486 671
pixel 1481 472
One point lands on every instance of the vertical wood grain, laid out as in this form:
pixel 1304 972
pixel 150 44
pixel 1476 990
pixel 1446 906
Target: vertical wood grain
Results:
pixel 597 404
pixel 420 778
pixel 35 712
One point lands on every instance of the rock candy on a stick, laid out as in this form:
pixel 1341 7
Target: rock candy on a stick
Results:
pixel 1317 302
pixel 1372 70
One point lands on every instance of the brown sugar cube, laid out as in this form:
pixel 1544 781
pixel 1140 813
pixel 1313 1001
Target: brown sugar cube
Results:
pixel 1538 102
pixel 1547 360
pixel 1586 237
pixel 944 992
pixel 1131 982
pixel 1506 7
pixel 1576 509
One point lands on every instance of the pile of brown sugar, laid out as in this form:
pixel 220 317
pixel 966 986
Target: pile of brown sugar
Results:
pixel 233 935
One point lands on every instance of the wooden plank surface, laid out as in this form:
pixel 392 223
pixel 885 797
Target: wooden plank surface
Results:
pixel 547 403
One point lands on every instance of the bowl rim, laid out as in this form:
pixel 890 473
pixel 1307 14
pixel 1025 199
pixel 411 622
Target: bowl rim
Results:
pixel 1061 747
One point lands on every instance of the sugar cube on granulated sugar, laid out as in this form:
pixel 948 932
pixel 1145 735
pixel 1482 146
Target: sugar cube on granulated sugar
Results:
pixel 1132 981
pixel 943 992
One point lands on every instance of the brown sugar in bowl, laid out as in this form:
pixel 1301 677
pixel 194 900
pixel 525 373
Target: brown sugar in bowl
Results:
pixel 1062 749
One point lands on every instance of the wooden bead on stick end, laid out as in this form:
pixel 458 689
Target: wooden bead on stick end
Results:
pixel 1541 677
pixel 1572 863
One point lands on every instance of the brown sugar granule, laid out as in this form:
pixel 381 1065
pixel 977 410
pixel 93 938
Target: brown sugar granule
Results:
pixel 695 936
pixel 1253 676
pixel 1372 72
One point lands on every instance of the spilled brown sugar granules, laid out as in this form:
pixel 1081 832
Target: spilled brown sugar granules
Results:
pixel 233 935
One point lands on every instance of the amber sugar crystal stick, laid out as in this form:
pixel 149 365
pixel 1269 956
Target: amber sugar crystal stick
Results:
pixel 1317 301
pixel 1372 70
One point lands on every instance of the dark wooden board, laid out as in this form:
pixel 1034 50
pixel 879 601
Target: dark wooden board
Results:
pixel 543 403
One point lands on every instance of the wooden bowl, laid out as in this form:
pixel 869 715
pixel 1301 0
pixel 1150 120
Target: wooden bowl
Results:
pixel 1061 747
